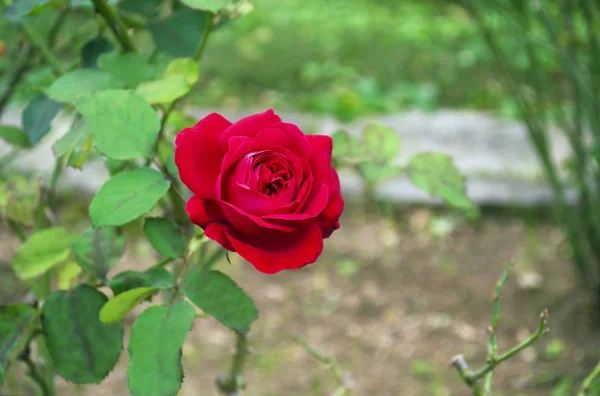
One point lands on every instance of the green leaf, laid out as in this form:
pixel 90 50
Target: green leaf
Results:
pixel 381 143
pixel 75 146
pixel 124 125
pixel 41 251
pixel 131 68
pixel 177 35
pixel 97 250
pixel 436 174
pixel 20 198
pixel 117 308
pixel 185 68
pixel 126 196
pixel 84 349
pixel 80 83
pixel 220 297
pixel 92 50
pixel 148 8
pixel 14 136
pixel 213 6
pixel 171 167
pixel 22 8
pixel 375 173
pixel 165 90
pixel 157 338
pixel 164 236
pixel 341 143
pixel 157 277
pixel 37 116
pixel 67 274
pixel 16 326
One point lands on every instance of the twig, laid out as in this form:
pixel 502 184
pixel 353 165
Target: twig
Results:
pixel 587 382
pixel 230 384
pixel 115 23
pixel 36 377
pixel 344 383
pixel 17 230
pixel 35 39
pixel 15 75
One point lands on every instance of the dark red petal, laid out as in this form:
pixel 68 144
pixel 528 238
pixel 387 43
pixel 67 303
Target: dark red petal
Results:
pixel 320 163
pixel 314 205
pixel 299 143
pixel 203 211
pixel 247 223
pixel 198 157
pixel 249 126
pixel 217 232
pixel 277 252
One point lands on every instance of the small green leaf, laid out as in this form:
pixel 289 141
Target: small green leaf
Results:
pixel 97 250
pixel 80 83
pixel 126 196
pixel 164 236
pixel 213 6
pixel 37 116
pixel 84 349
pixel 157 277
pixel 165 90
pixel 75 146
pixel 131 68
pixel 19 9
pixel 92 50
pixel 185 68
pixel 157 338
pixel 220 297
pixel 177 35
pixel 41 251
pixel 124 125
pixel 171 167
pixel 14 136
pixel 381 143
pixel 16 325
pixel 117 308
pixel 436 174
pixel 20 198
pixel 67 274
pixel 147 8
pixel 341 143
pixel 375 173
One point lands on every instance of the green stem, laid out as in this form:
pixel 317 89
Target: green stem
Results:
pixel 207 29
pixel 115 23
pixel 233 382
pixel 35 39
pixel 37 377
pixel 163 262
pixel 587 382
pixel 329 361
pixel 17 230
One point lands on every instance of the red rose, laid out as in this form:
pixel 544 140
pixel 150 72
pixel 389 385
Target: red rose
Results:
pixel 262 188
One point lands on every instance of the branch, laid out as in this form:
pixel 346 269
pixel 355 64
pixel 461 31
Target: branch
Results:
pixel 230 384
pixel 37 377
pixel 35 39
pixel 587 382
pixel 115 23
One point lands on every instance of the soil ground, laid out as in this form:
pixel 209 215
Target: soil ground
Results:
pixel 393 299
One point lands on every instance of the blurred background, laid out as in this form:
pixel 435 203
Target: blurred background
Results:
pixel 406 283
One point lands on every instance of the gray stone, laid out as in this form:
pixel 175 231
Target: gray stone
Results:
pixel 495 155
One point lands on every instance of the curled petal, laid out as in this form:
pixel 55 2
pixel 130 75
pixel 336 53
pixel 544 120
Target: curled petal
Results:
pixel 217 232
pixel 203 211
pixel 249 126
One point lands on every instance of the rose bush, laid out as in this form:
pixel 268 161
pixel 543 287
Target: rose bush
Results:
pixel 262 188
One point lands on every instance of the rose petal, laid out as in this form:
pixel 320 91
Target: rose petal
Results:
pixel 249 126
pixel 299 143
pixel 314 205
pixel 203 211
pixel 277 252
pixel 217 232
pixel 320 143
pixel 198 157
pixel 247 223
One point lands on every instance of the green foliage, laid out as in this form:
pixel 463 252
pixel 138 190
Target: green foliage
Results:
pixel 84 349
pixel 74 146
pixel 80 84
pixel 42 251
pixel 124 125
pixel 155 349
pixel 164 236
pixel 115 309
pixel 154 277
pixel 37 116
pixel 127 196
pixel 16 326
pixel 177 35
pixel 14 136
pixel 220 297
pixel 436 174
pixel 92 50
pixel 131 68
pixel 97 250
pixel 19 198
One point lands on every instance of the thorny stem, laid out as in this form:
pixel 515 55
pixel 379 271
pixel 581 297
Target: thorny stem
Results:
pixel 37 377
pixel 587 382
pixel 232 383
pixel 35 39
pixel 115 23
pixel 343 387
pixel 472 378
